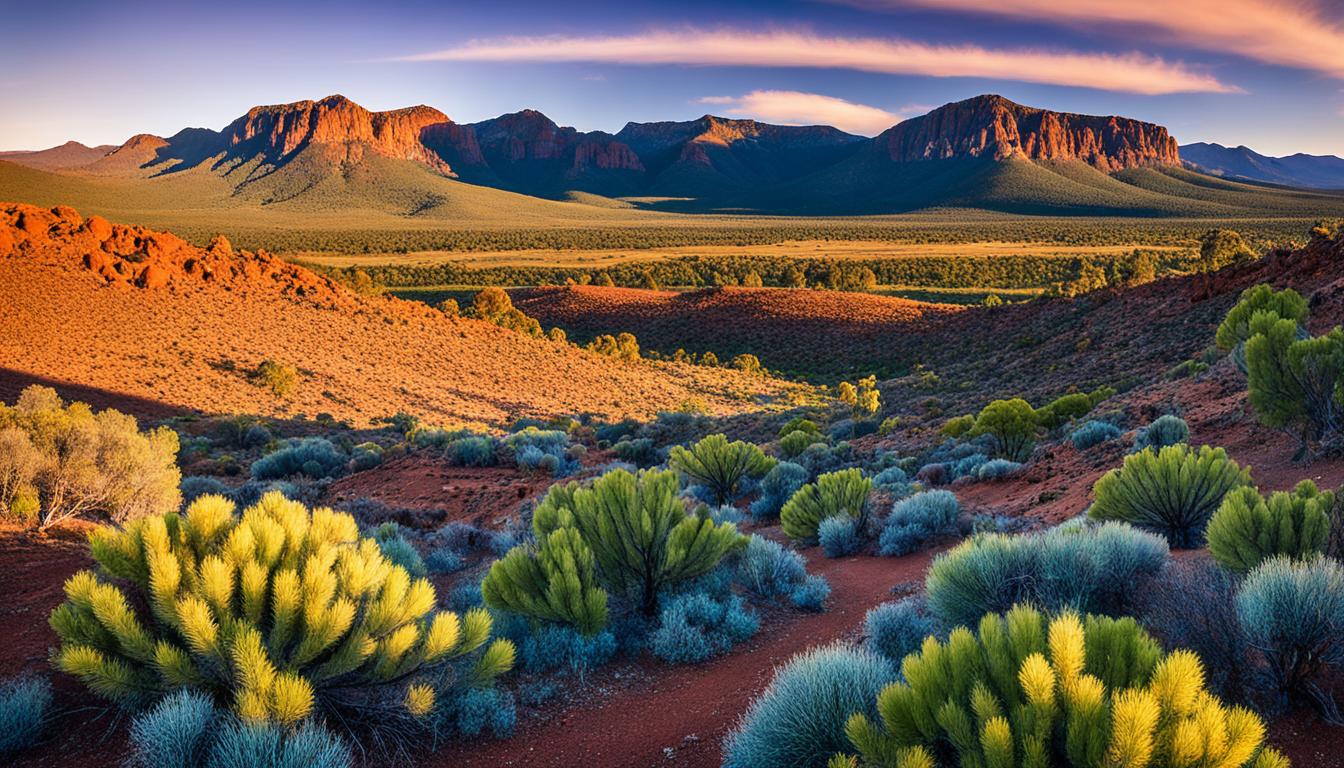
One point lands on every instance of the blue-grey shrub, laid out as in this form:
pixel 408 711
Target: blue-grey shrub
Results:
pixel 799 719
pixel 777 487
pixel 1196 608
pixel 1293 614
pixel 819 458
pixel 396 548
pixel 891 477
pixel 550 647
pixel 839 536
pixel 1093 433
pixel 1166 430
pixel 472 451
pixel 477 710
pixel 898 628
pixel 998 469
pixel 1092 569
pixel 315 457
pixel 916 521
pixel 725 513
pixel 196 486
pixel 768 569
pixel 968 466
pixel 241 745
pixel 695 627
pixel 444 560
pixel 24 702
pixel 811 594
pixel 639 451
pixel 176 733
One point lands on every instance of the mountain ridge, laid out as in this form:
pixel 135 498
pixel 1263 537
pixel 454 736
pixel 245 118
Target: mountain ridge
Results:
pixel 1241 162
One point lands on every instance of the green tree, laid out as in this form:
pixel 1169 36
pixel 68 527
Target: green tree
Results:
pixel 720 465
pixel 1013 423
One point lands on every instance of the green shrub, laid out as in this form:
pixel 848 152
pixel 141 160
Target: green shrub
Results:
pixel 280 378
pixel 279 612
pixel 1235 329
pixel 626 534
pixel 799 424
pixel 493 305
pixel 720 465
pixel 473 451
pixel 1013 423
pixel 1172 492
pixel 622 346
pixel 957 426
pixel 794 443
pixel 836 493
pixel 1220 248
pixel 1293 616
pixel 24 705
pixel 1065 691
pixel 1095 569
pixel 799 719
pixel 1063 410
pixel 1296 383
pixel 60 461
pixel 1247 529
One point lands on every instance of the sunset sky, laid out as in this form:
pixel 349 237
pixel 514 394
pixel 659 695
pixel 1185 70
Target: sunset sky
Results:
pixel 1265 73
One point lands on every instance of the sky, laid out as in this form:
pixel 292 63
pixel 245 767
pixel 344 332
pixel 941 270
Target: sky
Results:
pixel 1265 73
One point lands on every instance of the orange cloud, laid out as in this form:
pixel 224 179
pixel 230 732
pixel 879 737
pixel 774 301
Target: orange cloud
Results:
pixel 1132 72
pixel 1295 34
pixel 798 108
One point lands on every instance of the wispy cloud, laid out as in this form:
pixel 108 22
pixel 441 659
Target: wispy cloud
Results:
pixel 1130 72
pixel 798 108
pixel 1288 32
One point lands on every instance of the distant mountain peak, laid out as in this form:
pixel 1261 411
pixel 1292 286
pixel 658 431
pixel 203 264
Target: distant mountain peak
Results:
pixel 1242 162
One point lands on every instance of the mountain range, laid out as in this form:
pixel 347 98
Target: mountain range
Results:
pixel 1299 170
pixel 985 152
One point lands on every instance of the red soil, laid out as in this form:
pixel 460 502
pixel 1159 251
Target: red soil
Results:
pixel 203 319
pixel 788 329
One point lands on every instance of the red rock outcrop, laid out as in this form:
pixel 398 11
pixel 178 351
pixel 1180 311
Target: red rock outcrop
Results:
pixel 992 126
pixel 279 130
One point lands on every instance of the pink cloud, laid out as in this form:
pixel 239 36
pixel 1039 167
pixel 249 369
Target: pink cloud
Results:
pixel 1130 72
pixel 1295 34
pixel 797 108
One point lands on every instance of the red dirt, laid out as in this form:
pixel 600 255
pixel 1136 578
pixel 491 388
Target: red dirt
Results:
pixel 788 329
pixel 680 714
pixel 74 316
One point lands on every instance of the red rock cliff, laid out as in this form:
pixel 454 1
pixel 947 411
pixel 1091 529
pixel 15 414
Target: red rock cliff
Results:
pixel 992 126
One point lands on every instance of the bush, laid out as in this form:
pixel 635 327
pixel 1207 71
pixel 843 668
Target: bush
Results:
pixel 720 465
pixel 837 493
pixel 1173 491
pixel 1294 382
pixel 311 596
pixel 799 719
pixel 196 486
pixel 997 469
pixel 622 346
pixel 1293 616
pixel 958 426
pixel 777 487
pixel 915 521
pixel 1164 431
pixel 473 451
pixel 1063 410
pixel 694 627
pixel 1093 433
pixel 493 305
pixel 59 462
pixel 444 560
pixel 627 534
pixel 794 443
pixel 1013 424
pixel 398 550
pixel 176 733
pixel 1087 691
pixel 1196 608
pixel 315 457
pixel 838 536
pixel 480 708
pixel 281 379
pixel 266 745
pixel 639 451
pixel 1247 529
pixel 896 629
pixel 1235 329
pixel 1090 569
pixel 811 594
pixel 365 456
pixel 546 647
pixel 24 702
pixel 542 449
pixel 768 569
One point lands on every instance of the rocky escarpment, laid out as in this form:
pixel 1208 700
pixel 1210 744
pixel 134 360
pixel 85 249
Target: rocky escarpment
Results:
pixel 994 127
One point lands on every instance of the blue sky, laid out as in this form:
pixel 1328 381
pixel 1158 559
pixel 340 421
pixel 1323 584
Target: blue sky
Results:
pixel 1265 73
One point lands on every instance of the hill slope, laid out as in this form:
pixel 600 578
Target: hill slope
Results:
pixel 144 315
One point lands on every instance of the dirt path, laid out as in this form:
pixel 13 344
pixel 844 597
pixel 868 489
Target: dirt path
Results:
pixel 681 714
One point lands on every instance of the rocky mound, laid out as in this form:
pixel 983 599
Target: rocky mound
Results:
pixel 124 312
pixel 992 126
